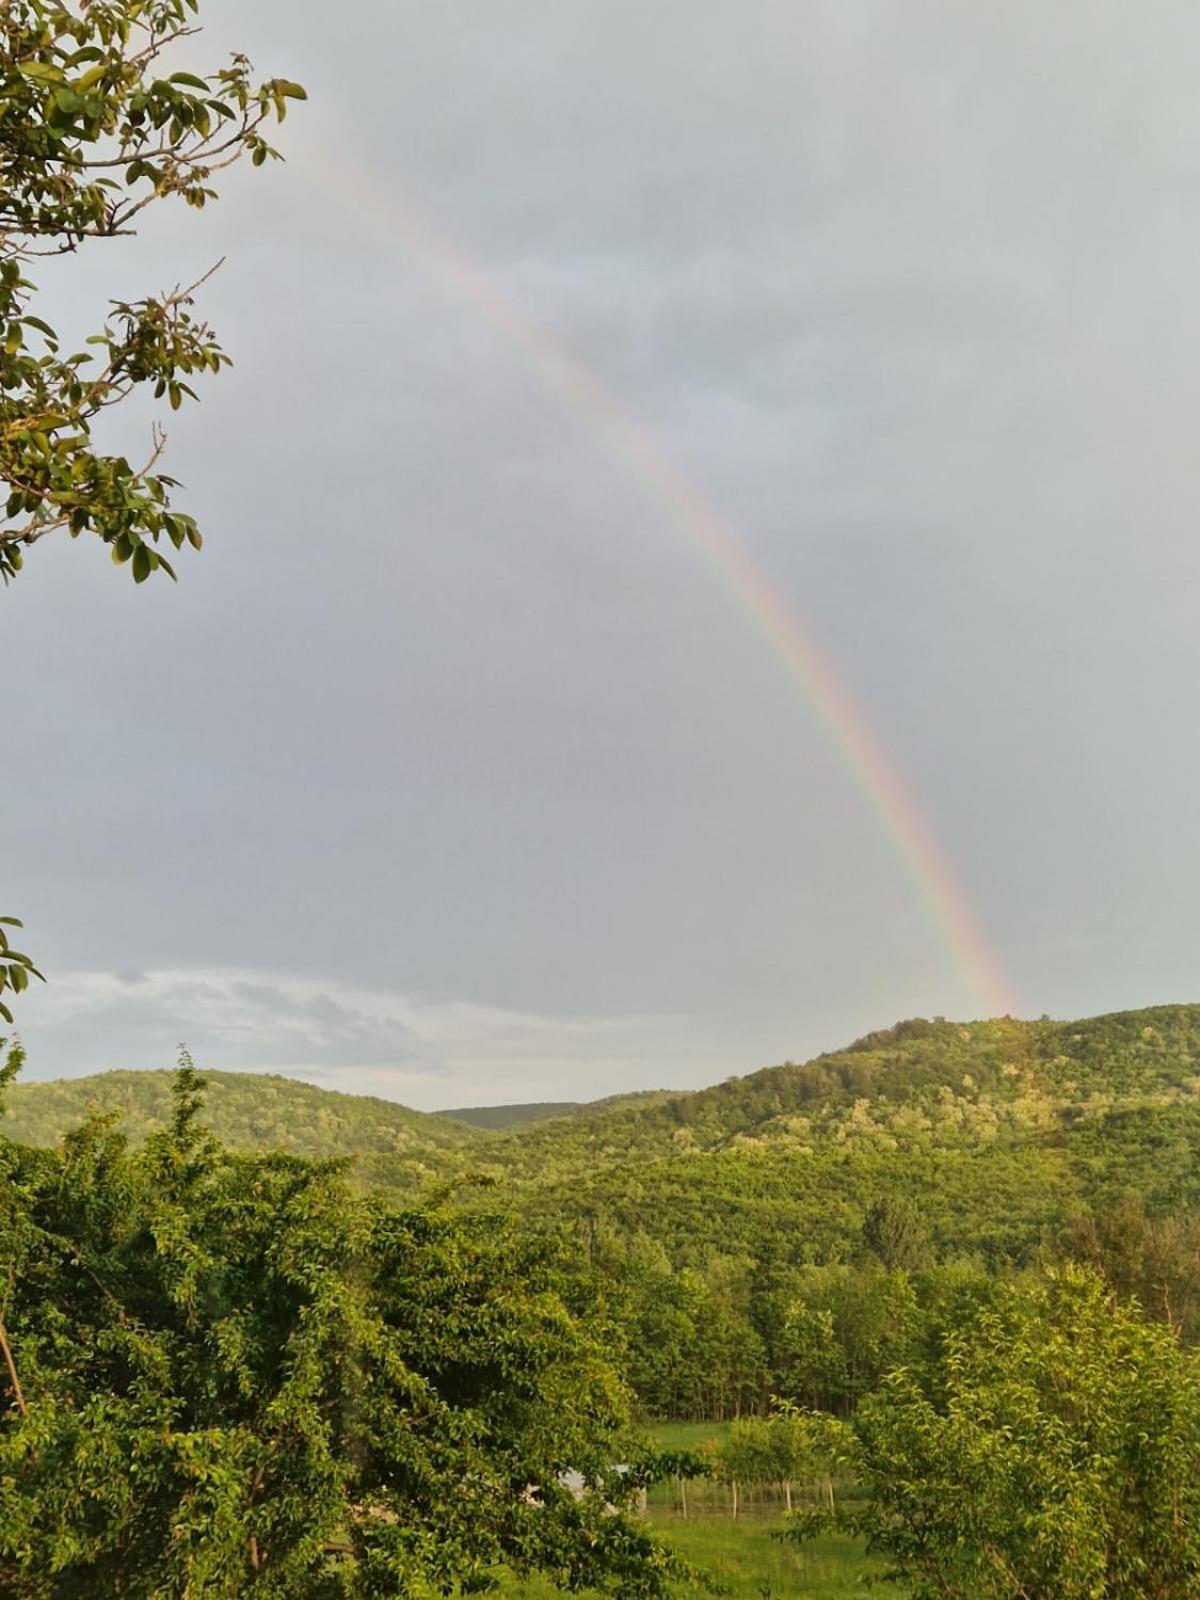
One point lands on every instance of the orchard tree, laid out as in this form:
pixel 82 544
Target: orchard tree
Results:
pixel 229 1376
pixel 1048 1449
pixel 783 1449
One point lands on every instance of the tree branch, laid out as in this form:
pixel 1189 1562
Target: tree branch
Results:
pixel 14 1381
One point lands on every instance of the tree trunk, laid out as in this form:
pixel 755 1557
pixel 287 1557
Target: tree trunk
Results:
pixel 787 1494
pixel 734 1487
pixel 683 1497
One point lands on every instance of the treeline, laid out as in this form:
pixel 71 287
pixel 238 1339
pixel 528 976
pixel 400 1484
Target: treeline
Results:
pixel 924 1087
pixel 247 1111
pixel 731 1337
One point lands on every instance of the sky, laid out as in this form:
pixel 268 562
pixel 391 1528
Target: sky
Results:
pixel 452 770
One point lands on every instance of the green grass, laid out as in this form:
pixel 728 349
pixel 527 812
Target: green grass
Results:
pixel 748 1564
pixel 742 1557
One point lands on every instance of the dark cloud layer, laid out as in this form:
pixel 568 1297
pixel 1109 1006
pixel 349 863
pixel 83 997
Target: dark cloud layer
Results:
pixel 448 713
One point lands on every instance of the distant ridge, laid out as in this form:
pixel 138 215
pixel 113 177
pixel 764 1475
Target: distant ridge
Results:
pixel 492 1118
pixel 495 1119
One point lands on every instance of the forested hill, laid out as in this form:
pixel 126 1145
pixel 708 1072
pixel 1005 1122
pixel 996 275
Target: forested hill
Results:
pixel 915 1087
pixel 703 1220
pixel 250 1111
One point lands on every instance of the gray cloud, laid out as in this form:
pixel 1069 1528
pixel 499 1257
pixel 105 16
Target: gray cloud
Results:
pixel 449 707
pixel 428 1052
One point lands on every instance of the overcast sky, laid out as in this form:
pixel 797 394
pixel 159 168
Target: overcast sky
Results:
pixel 447 771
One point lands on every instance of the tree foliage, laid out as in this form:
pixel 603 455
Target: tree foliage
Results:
pixel 779 1449
pixel 16 968
pixel 249 1111
pixel 94 127
pixel 1049 1449
pixel 229 1375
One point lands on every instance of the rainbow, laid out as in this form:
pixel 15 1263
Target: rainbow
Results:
pixel 627 441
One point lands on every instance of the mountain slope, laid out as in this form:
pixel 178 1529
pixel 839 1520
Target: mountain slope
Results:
pixel 921 1089
pixel 397 1147
pixel 997 1134
pixel 916 1085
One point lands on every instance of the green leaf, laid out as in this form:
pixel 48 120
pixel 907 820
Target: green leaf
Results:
pixel 40 72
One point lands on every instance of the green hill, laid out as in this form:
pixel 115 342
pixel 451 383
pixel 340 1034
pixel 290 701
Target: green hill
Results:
pixel 916 1086
pixel 397 1148
pixel 762 1237
pixel 1083 1098
pixel 714 1227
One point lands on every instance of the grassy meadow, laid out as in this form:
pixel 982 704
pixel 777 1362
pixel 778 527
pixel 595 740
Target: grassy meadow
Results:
pixel 741 1555
pixel 746 1563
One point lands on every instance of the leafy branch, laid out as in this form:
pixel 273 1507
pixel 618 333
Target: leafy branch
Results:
pixel 16 968
pixel 92 131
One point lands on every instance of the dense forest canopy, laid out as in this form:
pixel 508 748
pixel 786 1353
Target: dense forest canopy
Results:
pixel 493 1117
